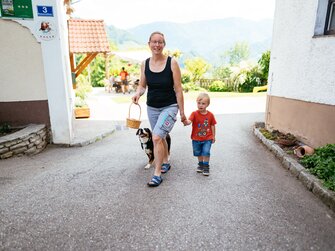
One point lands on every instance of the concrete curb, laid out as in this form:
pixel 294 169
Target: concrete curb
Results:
pixel 312 183
pixel 92 139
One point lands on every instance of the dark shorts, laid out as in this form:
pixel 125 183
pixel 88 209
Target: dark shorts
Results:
pixel 201 148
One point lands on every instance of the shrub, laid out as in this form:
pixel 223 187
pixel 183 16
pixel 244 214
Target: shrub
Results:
pixel 81 92
pixel 219 86
pixel 251 80
pixel 267 134
pixel 322 164
pixel 5 128
pixel 264 63
pixel 83 87
pixel 196 67
pixel 191 87
pixel 185 78
pixel 222 72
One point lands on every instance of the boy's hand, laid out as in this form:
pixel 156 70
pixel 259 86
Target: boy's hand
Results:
pixel 183 118
pixel 213 140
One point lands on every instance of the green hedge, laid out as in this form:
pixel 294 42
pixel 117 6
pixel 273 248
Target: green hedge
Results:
pixel 219 86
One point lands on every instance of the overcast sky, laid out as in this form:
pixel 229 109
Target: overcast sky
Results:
pixel 130 13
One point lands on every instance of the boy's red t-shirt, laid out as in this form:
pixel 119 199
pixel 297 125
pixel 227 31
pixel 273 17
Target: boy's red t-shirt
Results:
pixel 202 125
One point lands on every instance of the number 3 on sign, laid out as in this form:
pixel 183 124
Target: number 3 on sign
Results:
pixel 44 11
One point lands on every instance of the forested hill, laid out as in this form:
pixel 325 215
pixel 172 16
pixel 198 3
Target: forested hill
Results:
pixel 208 39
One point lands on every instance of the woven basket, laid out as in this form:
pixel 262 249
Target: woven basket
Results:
pixel 133 123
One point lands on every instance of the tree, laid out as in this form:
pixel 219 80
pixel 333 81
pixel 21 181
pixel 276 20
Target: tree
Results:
pixel 239 52
pixel 222 72
pixel 256 75
pixel 264 63
pixel 68 8
pixel 98 71
pixel 197 67
pixel 176 53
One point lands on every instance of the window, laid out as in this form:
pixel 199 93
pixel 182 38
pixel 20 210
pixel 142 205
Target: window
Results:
pixel 330 20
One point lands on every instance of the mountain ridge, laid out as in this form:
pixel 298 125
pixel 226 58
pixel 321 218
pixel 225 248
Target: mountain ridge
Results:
pixel 208 39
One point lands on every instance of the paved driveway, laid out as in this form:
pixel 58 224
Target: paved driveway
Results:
pixel 96 198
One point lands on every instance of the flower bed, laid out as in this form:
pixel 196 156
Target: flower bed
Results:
pixel 291 162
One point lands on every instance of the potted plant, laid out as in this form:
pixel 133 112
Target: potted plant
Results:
pixel 82 109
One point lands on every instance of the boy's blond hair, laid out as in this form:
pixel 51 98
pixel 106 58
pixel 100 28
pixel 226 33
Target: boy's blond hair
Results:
pixel 202 96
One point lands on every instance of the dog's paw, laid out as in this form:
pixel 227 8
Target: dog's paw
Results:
pixel 147 166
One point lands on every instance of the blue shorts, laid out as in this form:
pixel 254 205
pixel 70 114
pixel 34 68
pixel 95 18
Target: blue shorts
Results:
pixel 201 148
pixel 162 119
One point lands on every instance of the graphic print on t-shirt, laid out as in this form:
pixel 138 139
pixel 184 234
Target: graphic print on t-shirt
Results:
pixel 203 128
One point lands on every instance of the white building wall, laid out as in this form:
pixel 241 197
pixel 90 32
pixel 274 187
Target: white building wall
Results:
pixel 22 71
pixel 56 68
pixel 302 64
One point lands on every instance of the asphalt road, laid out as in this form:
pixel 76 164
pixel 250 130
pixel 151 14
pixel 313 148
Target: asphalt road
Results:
pixel 96 198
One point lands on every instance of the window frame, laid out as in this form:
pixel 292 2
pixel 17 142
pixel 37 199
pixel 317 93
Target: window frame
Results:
pixel 330 18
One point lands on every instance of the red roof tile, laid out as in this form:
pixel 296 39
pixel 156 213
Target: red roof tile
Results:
pixel 87 36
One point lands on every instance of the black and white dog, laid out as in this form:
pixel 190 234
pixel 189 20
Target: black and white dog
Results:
pixel 145 137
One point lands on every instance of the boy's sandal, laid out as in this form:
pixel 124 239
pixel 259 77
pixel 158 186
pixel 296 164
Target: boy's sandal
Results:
pixel 155 181
pixel 165 167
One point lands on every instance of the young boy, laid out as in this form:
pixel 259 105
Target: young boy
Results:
pixel 203 132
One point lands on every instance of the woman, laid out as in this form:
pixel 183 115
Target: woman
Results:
pixel 164 97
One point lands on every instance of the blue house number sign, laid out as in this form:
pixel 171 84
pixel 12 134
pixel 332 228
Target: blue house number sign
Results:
pixel 45 11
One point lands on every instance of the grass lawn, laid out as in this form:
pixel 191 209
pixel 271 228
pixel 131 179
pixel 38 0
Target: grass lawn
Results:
pixel 193 94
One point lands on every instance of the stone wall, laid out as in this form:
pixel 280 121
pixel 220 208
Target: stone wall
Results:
pixel 30 140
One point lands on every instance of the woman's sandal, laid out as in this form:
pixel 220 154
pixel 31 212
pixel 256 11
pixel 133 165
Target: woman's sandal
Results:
pixel 155 181
pixel 165 167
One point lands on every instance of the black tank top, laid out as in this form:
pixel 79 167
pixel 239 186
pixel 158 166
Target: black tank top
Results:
pixel 160 86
